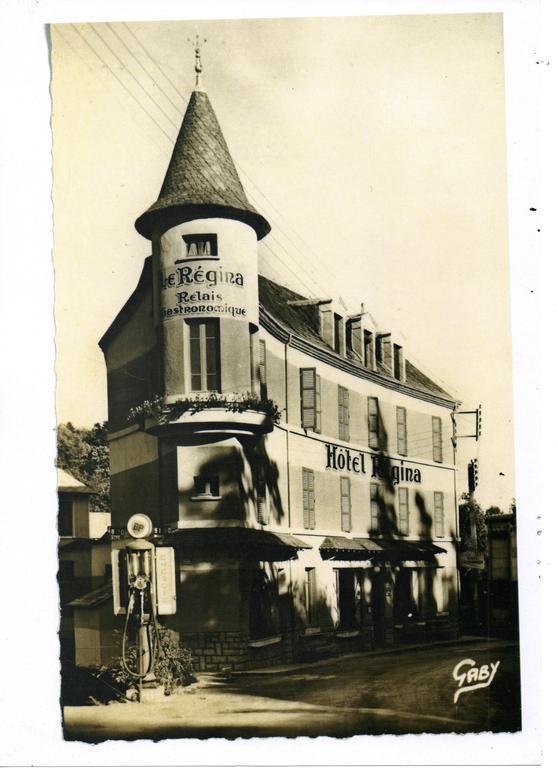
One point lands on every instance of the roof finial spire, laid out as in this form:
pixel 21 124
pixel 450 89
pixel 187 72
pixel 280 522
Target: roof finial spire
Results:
pixel 198 44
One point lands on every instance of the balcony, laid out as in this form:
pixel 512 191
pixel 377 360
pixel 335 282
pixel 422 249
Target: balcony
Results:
pixel 208 415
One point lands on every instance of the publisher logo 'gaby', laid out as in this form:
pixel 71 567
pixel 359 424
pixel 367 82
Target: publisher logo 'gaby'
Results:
pixel 470 677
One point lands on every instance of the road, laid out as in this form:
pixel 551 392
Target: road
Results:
pixel 399 692
pixel 406 684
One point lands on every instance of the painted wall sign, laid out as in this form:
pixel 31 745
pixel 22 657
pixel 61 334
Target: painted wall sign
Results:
pixel 192 290
pixel 208 269
pixel 378 467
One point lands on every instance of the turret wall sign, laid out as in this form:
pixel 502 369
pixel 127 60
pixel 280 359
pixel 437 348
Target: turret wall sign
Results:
pixel 208 269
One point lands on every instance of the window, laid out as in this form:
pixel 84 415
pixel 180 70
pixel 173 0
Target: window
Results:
pixel 262 514
pixel 204 355
pixel 201 246
pixel 398 362
pixel 437 454
pixel 310 399
pixel 205 486
pixel 403 511
pixel 343 409
pixel 373 422
pixel 338 333
pixel 348 583
pixel 379 349
pixel 262 369
pixel 438 513
pixel 368 350
pixel 374 508
pixel 308 498
pixel 349 337
pixel 499 558
pixel 310 594
pixel 404 606
pixel 65 518
pixel 345 504
pixel 65 570
pixel 263 605
pixel 401 431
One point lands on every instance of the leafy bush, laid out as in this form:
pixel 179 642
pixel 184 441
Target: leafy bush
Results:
pixel 235 403
pixel 173 664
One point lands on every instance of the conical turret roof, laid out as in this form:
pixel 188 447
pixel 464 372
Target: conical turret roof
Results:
pixel 201 180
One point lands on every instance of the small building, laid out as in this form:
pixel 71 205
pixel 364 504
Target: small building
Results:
pixel 83 551
pixel 503 615
pixel 298 462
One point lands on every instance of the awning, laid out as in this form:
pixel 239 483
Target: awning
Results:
pixel 248 543
pixel 94 598
pixel 343 548
pixel 399 550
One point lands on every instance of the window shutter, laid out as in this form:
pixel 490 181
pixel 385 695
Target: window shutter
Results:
pixel 438 513
pixel 345 504
pixel 262 368
pixel 437 438
pixel 308 397
pixel 261 496
pixel 374 507
pixel 318 394
pixel 305 500
pixel 373 419
pixel 401 431
pixel 343 412
pixel 340 414
pixel 311 500
pixel 403 511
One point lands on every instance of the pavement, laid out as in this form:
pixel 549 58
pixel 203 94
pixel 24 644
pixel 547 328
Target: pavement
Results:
pixel 407 690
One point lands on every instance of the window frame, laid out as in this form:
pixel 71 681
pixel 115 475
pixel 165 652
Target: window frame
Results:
pixel 343 413
pixel 262 368
pixel 261 496
pixel 310 595
pixel 191 238
pixel 346 510
pixel 373 414
pixel 206 488
pixel 368 352
pixel 439 521
pixel 315 423
pixel 437 444
pixel 202 344
pixel 375 502
pixel 403 493
pixel 308 499
pixel 402 444
pixel 69 504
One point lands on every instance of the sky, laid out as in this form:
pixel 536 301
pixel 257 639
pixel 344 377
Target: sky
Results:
pixel 375 146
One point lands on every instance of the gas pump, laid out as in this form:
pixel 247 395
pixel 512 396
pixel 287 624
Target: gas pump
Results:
pixel 143 588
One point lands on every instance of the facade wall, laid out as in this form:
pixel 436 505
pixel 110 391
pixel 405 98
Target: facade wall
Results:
pixel 242 613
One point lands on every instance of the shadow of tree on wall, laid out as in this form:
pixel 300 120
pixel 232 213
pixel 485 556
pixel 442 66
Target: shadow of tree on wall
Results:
pixel 245 470
pixel 406 610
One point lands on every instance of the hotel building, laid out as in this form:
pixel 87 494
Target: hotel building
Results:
pixel 301 467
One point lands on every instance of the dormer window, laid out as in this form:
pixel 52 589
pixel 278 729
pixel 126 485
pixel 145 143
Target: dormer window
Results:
pixel 200 246
pixel 398 363
pixel 369 350
pixel 338 334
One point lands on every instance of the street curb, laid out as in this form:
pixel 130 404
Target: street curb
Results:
pixel 465 640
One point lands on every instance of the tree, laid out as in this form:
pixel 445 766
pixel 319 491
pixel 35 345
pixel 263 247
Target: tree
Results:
pixel 84 453
pixel 472 525
pixel 491 511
